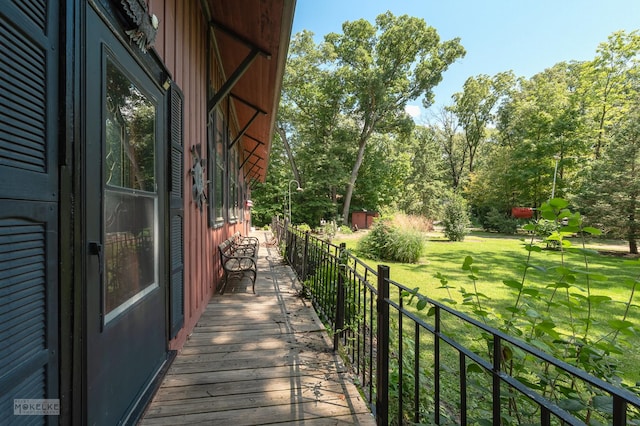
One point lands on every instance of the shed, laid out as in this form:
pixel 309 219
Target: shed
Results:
pixel 363 219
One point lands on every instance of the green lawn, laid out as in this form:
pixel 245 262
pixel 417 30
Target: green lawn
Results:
pixel 500 257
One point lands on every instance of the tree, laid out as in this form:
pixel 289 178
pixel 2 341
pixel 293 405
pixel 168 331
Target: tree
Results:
pixel 453 148
pixel 456 218
pixel 611 198
pixel 608 77
pixel 475 107
pixel 386 166
pixel 539 123
pixel 425 176
pixel 382 68
pixel 494 182
pixel 269 197
pixel 312 129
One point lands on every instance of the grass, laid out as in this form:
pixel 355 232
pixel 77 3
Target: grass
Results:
pixel 503 257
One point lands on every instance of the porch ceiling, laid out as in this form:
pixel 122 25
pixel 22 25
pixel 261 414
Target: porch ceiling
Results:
pixel 239 27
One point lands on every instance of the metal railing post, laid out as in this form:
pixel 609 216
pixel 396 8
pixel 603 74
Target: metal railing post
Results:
pixel 497 359
pixel 305 257
pixel 382 367
pixel 337 332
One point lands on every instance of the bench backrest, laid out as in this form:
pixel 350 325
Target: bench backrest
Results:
pixel 225 247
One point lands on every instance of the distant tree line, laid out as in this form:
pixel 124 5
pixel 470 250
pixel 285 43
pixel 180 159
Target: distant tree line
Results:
pixel 570 131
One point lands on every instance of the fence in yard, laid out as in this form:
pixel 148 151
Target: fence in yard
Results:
pixel 436 365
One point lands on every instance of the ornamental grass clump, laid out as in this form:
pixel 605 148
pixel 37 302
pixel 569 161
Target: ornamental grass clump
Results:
pixel 389 243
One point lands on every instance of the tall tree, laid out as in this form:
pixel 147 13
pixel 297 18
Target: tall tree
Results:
pixel 425 181
pixel 611 199
pixel 476 105
pixel 312 97
pixel 382 68
pixel 540 126
pixel 608 79
pixel 386 166
pixel 269 197
pixel 454 152
pixel 311 125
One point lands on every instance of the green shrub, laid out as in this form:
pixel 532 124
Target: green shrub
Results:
pixel 374 244
pixel 344 229
pixel 385 242
pixel 456 218
pixel 303 227
pixel 406 246
pixel 328 230
pixel 499 222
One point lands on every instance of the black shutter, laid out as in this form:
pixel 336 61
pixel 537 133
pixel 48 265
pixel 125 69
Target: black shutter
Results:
pixel 29 320
pixel 176 221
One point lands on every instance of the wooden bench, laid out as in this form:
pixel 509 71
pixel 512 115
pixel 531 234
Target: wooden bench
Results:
pixel 245 243
pixel 237 260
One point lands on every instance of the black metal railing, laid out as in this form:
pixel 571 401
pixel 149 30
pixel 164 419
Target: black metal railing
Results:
pixel 436 365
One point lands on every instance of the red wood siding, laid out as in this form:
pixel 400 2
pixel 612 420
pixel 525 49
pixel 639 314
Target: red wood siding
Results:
pixel 181 43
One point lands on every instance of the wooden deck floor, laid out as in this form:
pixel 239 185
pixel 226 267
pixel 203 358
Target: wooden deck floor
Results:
pixel 258 359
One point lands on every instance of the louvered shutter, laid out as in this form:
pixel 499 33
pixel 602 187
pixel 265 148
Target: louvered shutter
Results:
pixel 28 203
pixel 176 222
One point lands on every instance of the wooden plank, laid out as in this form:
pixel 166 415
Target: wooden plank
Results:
pixel 244 335
pixel 304 384
pixel 309 340
pixel 356 419
pixel 204 346
pixel 246 400
pixel 278 353
pixel 203 377
pixel 237 363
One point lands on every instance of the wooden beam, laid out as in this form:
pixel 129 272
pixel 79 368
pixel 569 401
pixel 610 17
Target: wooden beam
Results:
pixel 244 129
pixel 231 81
pixel 250 44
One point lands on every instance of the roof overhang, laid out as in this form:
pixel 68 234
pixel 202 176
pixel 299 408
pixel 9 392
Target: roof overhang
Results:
pixel 252 38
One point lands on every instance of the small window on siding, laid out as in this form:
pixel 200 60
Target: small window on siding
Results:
pixel 216 143
pixel 233 184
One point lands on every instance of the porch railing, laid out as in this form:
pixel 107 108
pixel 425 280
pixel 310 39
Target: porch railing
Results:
pixel 437 365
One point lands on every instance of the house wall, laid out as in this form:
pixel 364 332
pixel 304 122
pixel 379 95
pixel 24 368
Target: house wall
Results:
pixel 181 42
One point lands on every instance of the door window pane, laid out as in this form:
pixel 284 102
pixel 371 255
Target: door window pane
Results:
pixel 130 134
pixel 130 198
pixel 130 252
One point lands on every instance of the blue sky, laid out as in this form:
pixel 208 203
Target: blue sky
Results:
pixel 498 35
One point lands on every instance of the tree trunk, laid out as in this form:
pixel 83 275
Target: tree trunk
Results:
pixel 634 228
pixel 285 142
pixel 352 182
pixel 602 117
